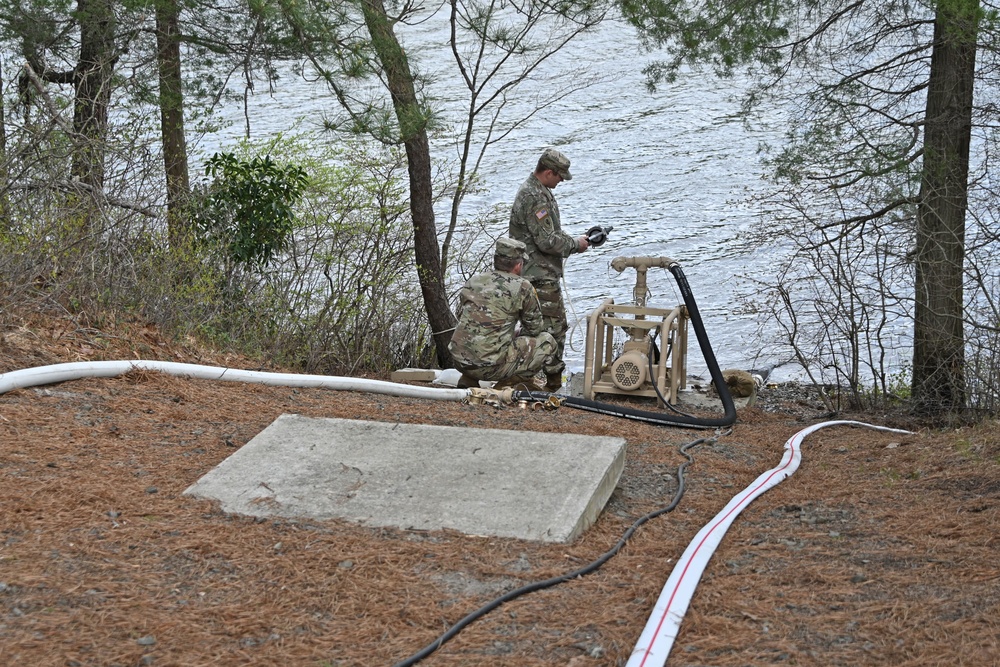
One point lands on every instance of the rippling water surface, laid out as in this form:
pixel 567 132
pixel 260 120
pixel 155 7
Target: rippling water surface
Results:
pixel 669 170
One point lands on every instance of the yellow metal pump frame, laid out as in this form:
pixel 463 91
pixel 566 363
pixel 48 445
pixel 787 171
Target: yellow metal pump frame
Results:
pixel 638 321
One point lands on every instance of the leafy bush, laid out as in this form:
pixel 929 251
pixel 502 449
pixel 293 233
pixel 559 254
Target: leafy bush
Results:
pixel 248 208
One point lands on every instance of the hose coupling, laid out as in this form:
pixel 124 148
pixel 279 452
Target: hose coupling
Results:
pixel 495 397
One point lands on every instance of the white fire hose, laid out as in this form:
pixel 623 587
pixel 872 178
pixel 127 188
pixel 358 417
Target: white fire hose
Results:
pixel 31 377
pixel 664 622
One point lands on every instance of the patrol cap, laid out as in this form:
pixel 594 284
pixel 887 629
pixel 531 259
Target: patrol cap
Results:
pixel 510 248
pixel 557 162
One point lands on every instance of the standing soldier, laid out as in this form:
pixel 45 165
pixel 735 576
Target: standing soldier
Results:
pixel 486 344
pixel 534 219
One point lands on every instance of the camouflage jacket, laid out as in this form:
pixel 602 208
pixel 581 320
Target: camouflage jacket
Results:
pixel 534 220
pixel 489 308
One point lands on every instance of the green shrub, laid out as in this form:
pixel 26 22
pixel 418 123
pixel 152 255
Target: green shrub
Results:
pixel 249 206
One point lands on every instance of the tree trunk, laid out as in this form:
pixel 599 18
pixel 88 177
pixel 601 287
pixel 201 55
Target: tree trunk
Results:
pixel 939 340
pixel 93 89
pixel 414 135
pixel 4 218
pixel 175 160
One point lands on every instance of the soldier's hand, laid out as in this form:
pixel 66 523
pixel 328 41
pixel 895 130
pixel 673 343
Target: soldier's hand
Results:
pixel 583 243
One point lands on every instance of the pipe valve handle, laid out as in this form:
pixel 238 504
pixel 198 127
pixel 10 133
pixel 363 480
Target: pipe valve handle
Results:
pixel 597 235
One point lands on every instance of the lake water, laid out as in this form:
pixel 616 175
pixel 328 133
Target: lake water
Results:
pixel 671 171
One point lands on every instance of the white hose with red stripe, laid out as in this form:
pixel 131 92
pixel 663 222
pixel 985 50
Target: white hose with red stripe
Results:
pixel 664 623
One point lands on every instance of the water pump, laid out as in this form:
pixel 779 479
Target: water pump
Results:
pixel 640 369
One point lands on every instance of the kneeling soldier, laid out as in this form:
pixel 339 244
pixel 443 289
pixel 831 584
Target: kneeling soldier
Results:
pixel 486 344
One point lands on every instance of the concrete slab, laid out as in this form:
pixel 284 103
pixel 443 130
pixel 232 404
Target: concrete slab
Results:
pixel 535 486
pixel 414 375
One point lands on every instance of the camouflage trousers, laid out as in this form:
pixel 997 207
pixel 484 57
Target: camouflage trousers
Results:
pixel 524 357
pixel 553 321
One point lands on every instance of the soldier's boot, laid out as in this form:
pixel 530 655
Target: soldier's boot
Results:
pixel 553 382
pixel 467 382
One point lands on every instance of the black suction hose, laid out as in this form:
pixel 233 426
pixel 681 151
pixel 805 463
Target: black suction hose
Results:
pixel 661 418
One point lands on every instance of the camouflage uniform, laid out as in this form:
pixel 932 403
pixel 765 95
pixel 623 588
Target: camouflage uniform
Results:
pixel 534 220
pixel 484 345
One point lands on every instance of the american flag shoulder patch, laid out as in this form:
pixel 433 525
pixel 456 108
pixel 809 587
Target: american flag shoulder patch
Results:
pixel 541 214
